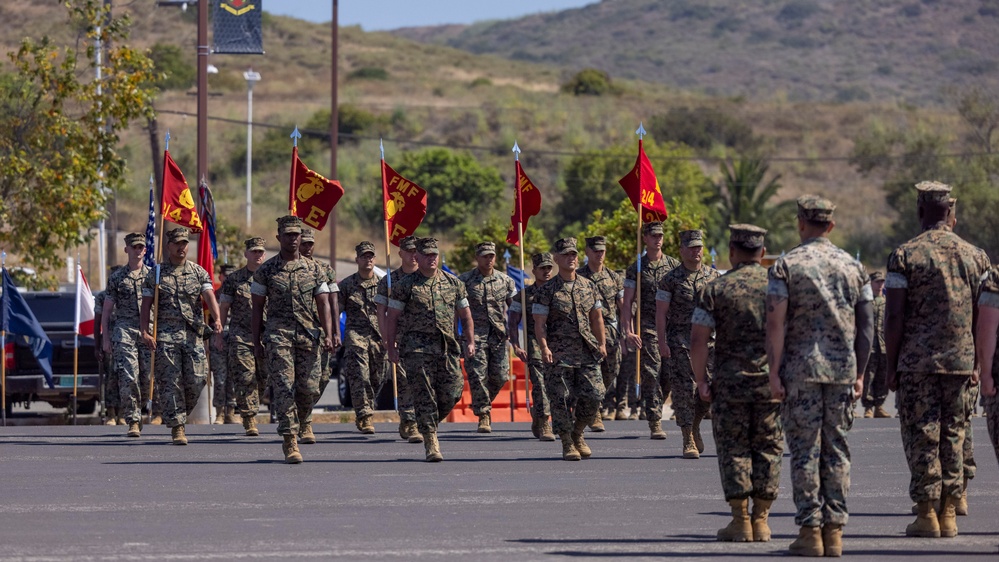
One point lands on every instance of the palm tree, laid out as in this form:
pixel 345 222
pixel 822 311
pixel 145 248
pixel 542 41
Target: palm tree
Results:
pixel 745 196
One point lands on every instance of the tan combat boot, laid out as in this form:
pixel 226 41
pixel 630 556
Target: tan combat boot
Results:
pixel 696 431
pixel 110 421
pixel 569 452
pixel 546 431
pixel 598 424
pixel 926 523
pixel 868 412
pixel 808 543
pixel 579 442
pixel 621 414
pixel 219 418
pixel 962 504
pixel 403 429
pixel 156 420
pixel 230 414
pixel 636 413
pixel 832 540
pixel 485 423
pixel 365 426
pixel 760 519
pixel 739 529
pixel 178 435
pixel 433 447
pixel 656 430
pixel 880 412
pixel 689 447
pixel 948 517
pixel 305 434
pixel 250 425
pixel 413 433
pixel 121 421
pixel 133 430
pixel 112 417
pixel 290 448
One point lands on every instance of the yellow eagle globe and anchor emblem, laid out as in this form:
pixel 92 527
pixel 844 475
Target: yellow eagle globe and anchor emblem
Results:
pixel 395 205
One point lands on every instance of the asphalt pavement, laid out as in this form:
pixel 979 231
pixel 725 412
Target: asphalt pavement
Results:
pixel 88 493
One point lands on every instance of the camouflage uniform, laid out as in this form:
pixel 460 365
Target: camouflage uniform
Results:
pixel 248 376
pixel 111 397
pixel 745 417
pixel 428 346
pixel 327 358
pixel 574 383
pixel 488 296
pixel 679 288
pixel 610 287
pixel 876 376
pixel 405 395
pixel 990 297
pixel 822 284
pixel 941 274
pixel 291 336
pixel 655 372
pixel 222 385
pixel 364 355
pixel 129 357
pixel 181 367
pixel 540 406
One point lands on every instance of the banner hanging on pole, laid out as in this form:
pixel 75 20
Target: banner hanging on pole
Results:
pixel 526 205
pixel 237 27
pixel 404 202
pixel 312 197
pixel 642 186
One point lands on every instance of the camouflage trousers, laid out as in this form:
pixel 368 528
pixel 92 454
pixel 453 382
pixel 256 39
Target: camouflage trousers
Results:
pixel 111 397
pixel 405 393
pixel 249 378
pixel 130 377
pixel 655 383
pixel 435 383
pixel 687 403
pixel 364 367
pixel 875 381
pixel 933 412
pixel 575 394
pixel 970 402
pixel 295 370
pixel 816 419
pixel 540 406
pixel 749 438
pixel 610 370
pixel 991 407
pixel 181 373
pixel 223 393
pixel 488 370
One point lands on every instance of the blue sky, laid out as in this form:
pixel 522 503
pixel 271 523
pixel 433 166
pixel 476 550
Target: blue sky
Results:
pixel 374 15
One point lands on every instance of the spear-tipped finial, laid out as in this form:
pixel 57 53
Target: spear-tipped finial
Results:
pixel 381 147
pixel 151 180
pixel 3 257
pixel 166 145
pixel 295 135
pixel 641 130
pixel 516 151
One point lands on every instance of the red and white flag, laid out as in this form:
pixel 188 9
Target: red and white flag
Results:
pixel 84 305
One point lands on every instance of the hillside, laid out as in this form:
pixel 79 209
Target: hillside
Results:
pixel 850 50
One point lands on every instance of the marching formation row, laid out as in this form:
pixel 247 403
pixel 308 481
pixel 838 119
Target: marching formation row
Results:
pixel 773 356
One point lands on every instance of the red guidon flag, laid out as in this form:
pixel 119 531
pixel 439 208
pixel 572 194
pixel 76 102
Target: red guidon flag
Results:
pixel 527 204
pixel 177 204
pixel 641 185
pixel 312 196
pixel 84 305
pixel 405 204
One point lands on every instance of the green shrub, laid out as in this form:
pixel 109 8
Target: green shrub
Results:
pixel 369 73
pixel 589 82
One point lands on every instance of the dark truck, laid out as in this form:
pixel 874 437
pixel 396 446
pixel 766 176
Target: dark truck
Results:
pixel 56 312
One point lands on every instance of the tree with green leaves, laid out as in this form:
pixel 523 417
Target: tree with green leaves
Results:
pixel 56 150
pixel 462 257
pixel 745 195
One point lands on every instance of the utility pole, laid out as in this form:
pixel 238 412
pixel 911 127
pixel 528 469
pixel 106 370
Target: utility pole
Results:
pixel 203 50
pixel 251 79
pixel 334 126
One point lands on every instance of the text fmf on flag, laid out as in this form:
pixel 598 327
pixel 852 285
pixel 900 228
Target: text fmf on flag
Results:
pixel 527 203
pixel 312 196
pixel 177 204
pixel 642 186
pixel 404 203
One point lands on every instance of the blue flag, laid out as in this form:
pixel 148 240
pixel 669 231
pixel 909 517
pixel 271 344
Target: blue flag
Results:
pixel 518 275
pixel 150 258
pixel 447 269
pixel 17 319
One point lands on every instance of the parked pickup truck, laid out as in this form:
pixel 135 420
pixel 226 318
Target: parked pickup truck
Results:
pixel 56 312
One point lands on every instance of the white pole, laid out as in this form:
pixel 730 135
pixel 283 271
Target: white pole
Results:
pixel 251 79
pixel 101 229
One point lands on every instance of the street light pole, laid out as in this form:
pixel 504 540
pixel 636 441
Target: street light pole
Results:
pixel 251 79
pixel 334 126
pixel 203 50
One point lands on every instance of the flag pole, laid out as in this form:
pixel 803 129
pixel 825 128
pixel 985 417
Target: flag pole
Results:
pixel 388 269
pixel 638 277
pixel 292 207
pixel 76 339
pixel 525 314
pixel 3 352
pixel 156 284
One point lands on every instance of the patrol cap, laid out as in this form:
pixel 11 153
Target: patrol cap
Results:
pixel 253 244
pixel 485 249
pixel 227 269
pixel 408 243
pixel 933 191
pixel 427 246
pixel 308 235
pixel 652 228
pixel 877 276
pixel 691 239
pixel 565 246
pixel 746 235
pixel 815 209
pixel 135 239
pixel 597 243
pixel 543 259
pixel 364 248
pixel 179 235
pixel 289 223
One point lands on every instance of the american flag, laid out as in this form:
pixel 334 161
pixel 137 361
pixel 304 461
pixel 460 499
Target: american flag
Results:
pixel 208 216
pixel 150 259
